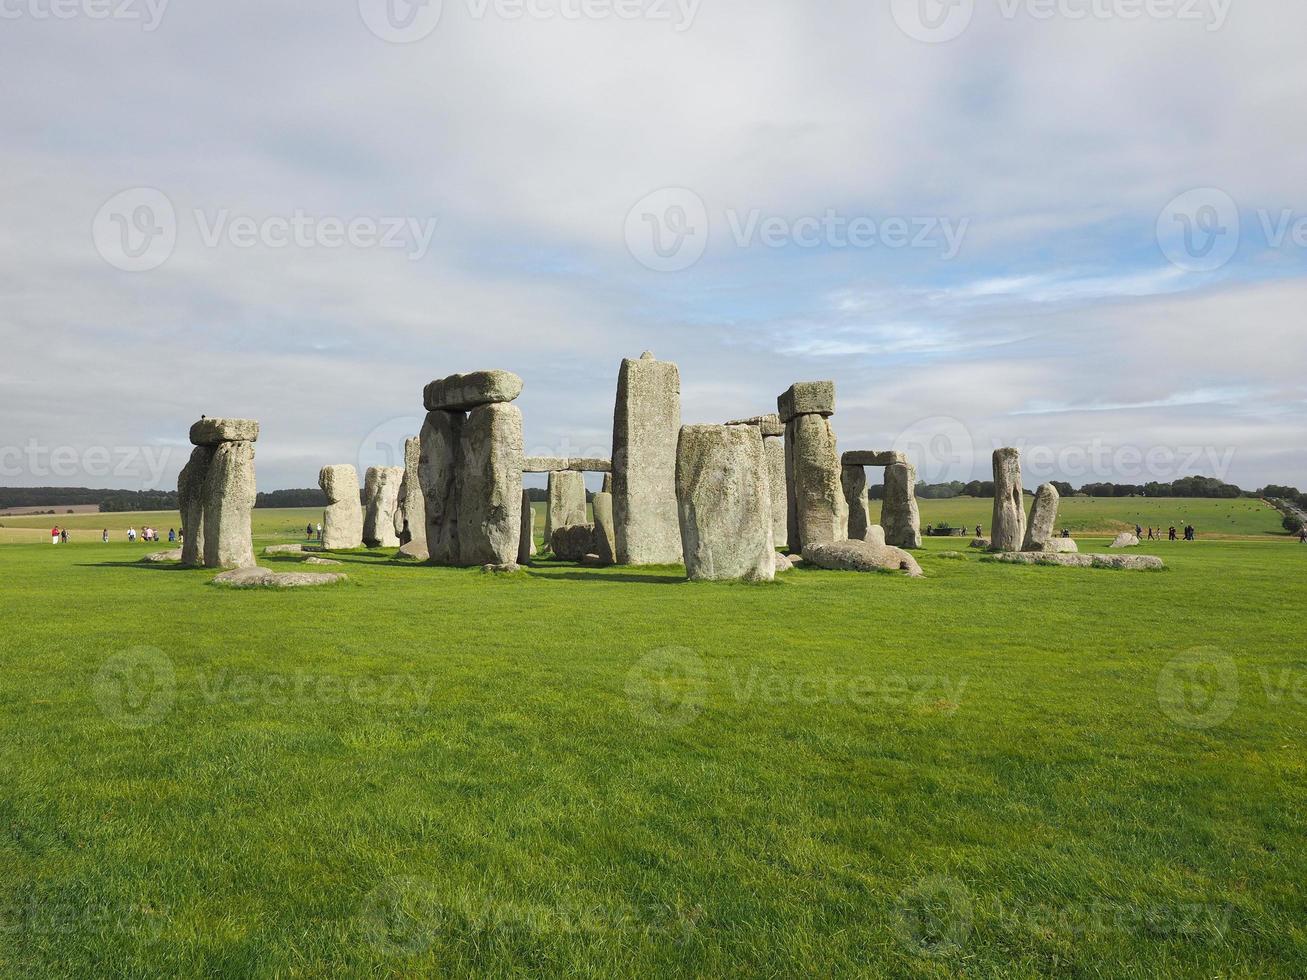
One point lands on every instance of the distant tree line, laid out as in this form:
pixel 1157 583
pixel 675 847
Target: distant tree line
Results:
pixel 1189 486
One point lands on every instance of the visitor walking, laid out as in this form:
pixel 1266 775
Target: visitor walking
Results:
pixel 172 535
pixel 1172 533
pixel 319 530
pixel 63 536
pixel 980 531
pixel 54 534
pixel 104 535
pixel 308 532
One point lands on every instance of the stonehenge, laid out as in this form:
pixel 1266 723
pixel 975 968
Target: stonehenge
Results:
pixel 380 501
pixel 1008 526
pixel 572 542
pixel 438 475
pixel 815 506
pixel 411 514
pixel 526 542
pixel 342 520
pixel 605 539
pixel 861 556
pixel 215 493
pixel 724 503
pixel 646 427
pixel 773 445
pixel 854 481
pixel 1043 520
pixel 899 514
pixel 565 500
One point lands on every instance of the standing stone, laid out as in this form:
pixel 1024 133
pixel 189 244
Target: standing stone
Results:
pixel 228 500
pixel 380 501
pixel 566 501
pixel 774 448
pixel 605 544
pixel 490 485
pixel 724 503
pixel 190 500
pixel 646 424
pixel 412 510
pixel 899 514
pixel 438 468
pixel 526 542
pixel 1043 520
pixel 608 484
pixel 854 481
pixel 817 510
pixel 1008 527
pixel 342 521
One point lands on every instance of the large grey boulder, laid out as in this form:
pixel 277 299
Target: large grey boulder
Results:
pixel 526 542
pixel 899 514
pixel 462 392
pixel 229 494
pixel 342 520
pixel 565 501
pixel 213 432
pixel 854 481
pixel 1043 519
pixel 806 398
pixel 261 578
pixel 1132 563
pixel 816 507
pixel 605 535
pixel 1008 527
pixel 1125 539
pixel 190 501
pixel 724 503
pixel 490 486
pixel 864 457
pixel 380 501
pixel 572 542
pixel 411 514
pixel 438 473
pixel 646 424
pixel 861 556
pixel 1062 546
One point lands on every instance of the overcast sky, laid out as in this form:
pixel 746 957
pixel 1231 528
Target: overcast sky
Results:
pixel 1076 227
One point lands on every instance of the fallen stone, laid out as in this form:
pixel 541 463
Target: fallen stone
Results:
pixel 816 510
pixel 314 560
pixel 213 432
pixel 1125 540
pixel 1062 546
pixel 1043 519
pixel 342 519
pixel 438 473
pixel 564 501
pixel 854 481
pixel 605 537
pixel 646 425
pixel 283 549
pixel 860 457
pixel 380 500
pixel 590 464
pixel 861 556
pixel 526 542
pixel 490 486
pixel 806 398
pixel 229 494
pixel 767 425
pixel 1142 563
pixel 1008 527
pixel 899 514
pixel 783 563
pixel 251 578
pixel 724 503
pixel 505 568
pixel 573 542
pixel 190 502
pixel 951 555
pixel 174 554
pixel 463 392
pixel 544 464
pixel 981 543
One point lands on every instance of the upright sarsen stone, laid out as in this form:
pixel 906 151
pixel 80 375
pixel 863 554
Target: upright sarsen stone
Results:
pixel 412 510
pixel 438 466
pixel 818 511
pixel 342 520
pixel 1043 521
pixel 724 503
pixel 190 501
pixel 229 494
pixel 490 486
pixel 605 541
pixel 899 514
pixel 565 500
pixel 380 501
pixel 646 423
pixel 1008 527
pixel 774 449
pixel 854 481
pixel 526 542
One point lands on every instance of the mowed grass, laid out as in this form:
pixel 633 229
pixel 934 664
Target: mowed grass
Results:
pixel 993 772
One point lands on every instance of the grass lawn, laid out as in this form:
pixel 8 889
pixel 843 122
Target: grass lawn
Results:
pixel 995 771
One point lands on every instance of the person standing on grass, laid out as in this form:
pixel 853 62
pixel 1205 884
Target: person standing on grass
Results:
pixel 54 534
pixel 1302 535
pixel 308 532
pixel 980 531
pixel 1172 533
pixel 104 535
pixel 319 530
pixel 63 536
pixel 1139 531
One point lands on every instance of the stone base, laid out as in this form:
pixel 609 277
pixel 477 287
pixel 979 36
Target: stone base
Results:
pixel 255 578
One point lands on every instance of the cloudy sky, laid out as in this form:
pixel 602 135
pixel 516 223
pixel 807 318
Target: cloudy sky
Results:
pixel 1074 226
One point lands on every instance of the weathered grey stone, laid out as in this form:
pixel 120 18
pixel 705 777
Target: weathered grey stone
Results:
pixel 315 560
pixel 861 556
pixel 875 535
pixel 490 486
pixel 190 501
pixel 605 536
pixel 783 563
pixel 380 501
pixel 862 457
pixel 438 473
pixel 462 392
pixel 228 500
pixel 724 502
pixel 1008 527
pixel 590 464
pixel 1062 546
pixel 608 484
pixel 508 568
pixel 646 424
pixel 984 543
pixel 565 501
pixel 212 432
pixel 342 520
pixel 806 398
pixel 854 481
pixel 526 542
pixel 767 425
pixel 1134 563
pixel 252 578
pixel 816 507
pixel 572 542
pixel 899 515
pixel 1125 539
pixel 283 549
pixel 544 464
pixel 411 514
pixel 1043 519
pixel 774 449
pixel 174 554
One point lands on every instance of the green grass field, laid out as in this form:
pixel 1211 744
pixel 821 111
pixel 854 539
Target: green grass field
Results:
pixel 994 771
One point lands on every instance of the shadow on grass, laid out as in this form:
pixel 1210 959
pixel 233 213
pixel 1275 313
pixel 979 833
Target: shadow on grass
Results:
pixel 152 566
pixel 576 574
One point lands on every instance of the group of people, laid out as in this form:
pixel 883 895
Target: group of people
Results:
pixel 308 531
pixel 58 535
pixel 1173 534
